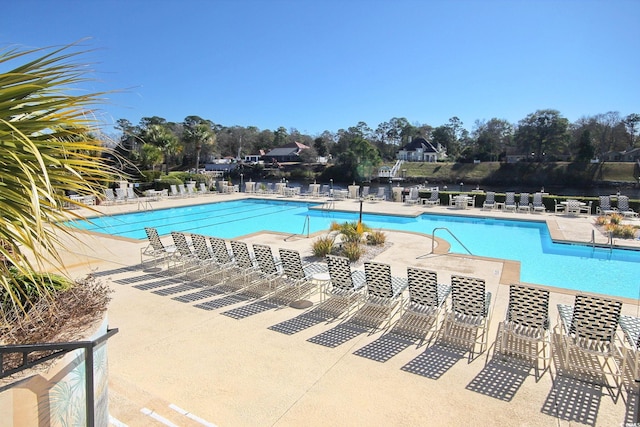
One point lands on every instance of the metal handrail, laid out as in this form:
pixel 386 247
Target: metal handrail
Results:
pixel 59 349
pixel 433 240
pixel 307 225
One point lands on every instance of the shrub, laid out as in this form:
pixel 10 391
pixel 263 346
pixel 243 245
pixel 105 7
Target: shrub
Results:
pixel 622 231
pixel 602 220
pixel 615 219
pixel 323 246
pixel 150 175
pixel 376 238
pixel 352 250
pixel 30 288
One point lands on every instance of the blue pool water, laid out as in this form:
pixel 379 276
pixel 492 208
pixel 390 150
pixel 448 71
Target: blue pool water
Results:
pixel 577 267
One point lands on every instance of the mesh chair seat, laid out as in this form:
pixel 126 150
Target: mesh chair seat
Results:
pixel 345 286
pixel 156 251
pixel 589 326
pixel 510 201
pixel 526 321
pixel 467 320
pixel 383 295
pixel 426 298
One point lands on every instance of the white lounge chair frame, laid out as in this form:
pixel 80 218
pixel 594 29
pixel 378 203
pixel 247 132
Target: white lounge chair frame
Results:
pixel 467 320
pixel 589 339
pixel 526 332
pixel 421 313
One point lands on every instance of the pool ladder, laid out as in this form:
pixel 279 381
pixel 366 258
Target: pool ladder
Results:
pixel 609 242
pixel 433 241
pixel 306 225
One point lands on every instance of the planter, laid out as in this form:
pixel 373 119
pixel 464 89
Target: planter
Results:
pixel 56 396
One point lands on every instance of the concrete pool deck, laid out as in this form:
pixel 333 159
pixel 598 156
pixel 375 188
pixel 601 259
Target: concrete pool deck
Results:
pixel 242 362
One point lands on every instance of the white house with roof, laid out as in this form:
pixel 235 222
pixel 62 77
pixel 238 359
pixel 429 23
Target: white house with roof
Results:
pixel 421 150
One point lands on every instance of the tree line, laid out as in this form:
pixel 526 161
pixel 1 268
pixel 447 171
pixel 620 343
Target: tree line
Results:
pixel 544 135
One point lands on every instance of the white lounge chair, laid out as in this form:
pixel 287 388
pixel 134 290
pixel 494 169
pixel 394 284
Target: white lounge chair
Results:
pixel 421 313
pixel 510 201
pixel 589 340
pixel 524 205
pixel 538 205
pixel 490 201
pixel 297 278
pixel 433 200
pixel 413 197
pixel 525 332
pixel 156 251
pixel 623 207
pixel 379 196
pixel 604 208
pixel 467 320
pixel 346 287
pixel 383 295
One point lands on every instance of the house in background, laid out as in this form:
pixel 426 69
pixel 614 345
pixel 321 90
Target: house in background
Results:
pixel 630 155
pixel 420 150
pixel 285 153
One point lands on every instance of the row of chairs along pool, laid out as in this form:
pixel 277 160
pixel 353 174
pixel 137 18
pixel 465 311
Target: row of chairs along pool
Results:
pixel 458 313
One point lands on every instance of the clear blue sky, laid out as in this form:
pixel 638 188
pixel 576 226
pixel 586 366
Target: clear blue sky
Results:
pixel 318 65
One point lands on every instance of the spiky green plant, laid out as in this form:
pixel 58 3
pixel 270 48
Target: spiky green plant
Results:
pixel 48 147
pixel 323 246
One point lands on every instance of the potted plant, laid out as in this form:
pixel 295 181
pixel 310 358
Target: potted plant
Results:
pixel 49 149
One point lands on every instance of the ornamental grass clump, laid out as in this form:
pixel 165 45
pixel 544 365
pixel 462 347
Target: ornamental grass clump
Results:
pixel 376 238
pixel 323 246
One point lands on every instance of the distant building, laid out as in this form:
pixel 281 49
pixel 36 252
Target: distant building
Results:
pixel 630 155
pixel 420 150
pixel 285 153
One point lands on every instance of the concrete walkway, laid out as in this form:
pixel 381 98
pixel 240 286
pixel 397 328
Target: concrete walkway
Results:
pixel 236 361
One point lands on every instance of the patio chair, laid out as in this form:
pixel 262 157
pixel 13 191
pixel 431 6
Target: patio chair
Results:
pixel 510 201
pixel 132 196
pixel 604 207
pixel 524 205
pixel 184 256
pixel 380 195
pixel 224 258
pixel 559 207
pixel 538 205
pixel 433 200
pixel 270 270
pixel 490 201
pixel 365 193
pixel 631 329
pixel 525 332
pixel 203 188
pixel 467 321
pixel 623 207
pixel 421 313
pixel 413 197
pixel 109 196
pixel 297 278
pixel 156 250
pixel 182 190
pixel 244 263
pixel 345 288
pixel 121 195
pixel 383 295
pixel 573 207
pixel 206 261
pixel 173 190
pixel 588 332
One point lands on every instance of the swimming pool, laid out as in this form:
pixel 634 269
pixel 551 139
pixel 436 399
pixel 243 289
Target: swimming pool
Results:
pixel 613 272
